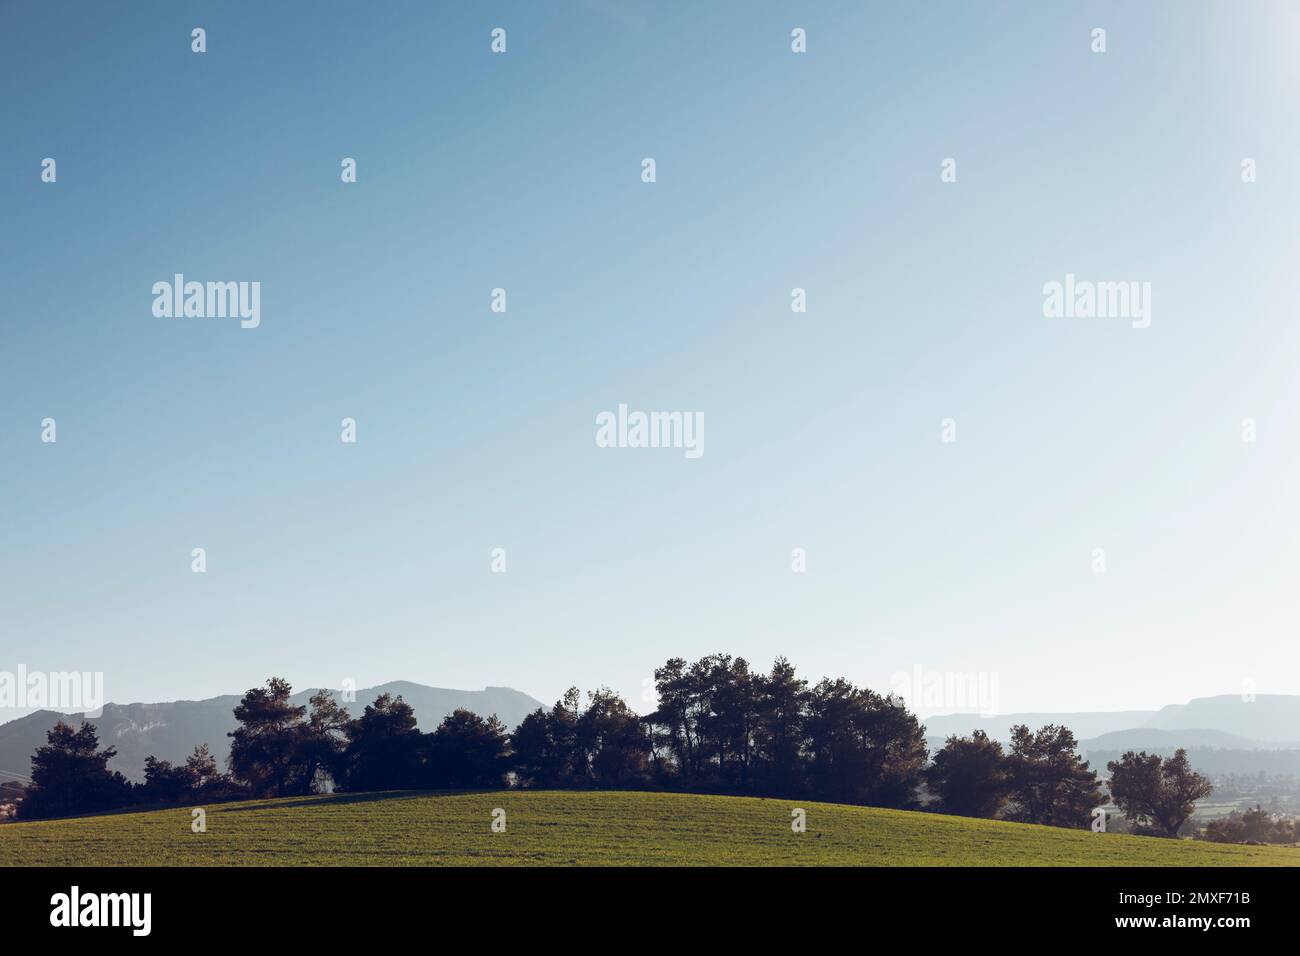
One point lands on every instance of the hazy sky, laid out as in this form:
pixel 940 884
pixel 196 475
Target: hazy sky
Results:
pixel 775 170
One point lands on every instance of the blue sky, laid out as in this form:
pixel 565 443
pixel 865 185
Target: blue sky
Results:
pixel 475 430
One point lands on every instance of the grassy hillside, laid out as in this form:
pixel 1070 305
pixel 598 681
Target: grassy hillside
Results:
pixel 584 828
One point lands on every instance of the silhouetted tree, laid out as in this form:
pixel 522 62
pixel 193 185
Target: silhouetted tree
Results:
pixel 202 769
pixel 611 738
pixel 865 748
pixel 894 741
pixel 164 783
pixel 676 721
pixel 1049 783
pixel 779 734
pixel 731 717
pixel 321 741
pixel 197 778
pixel 266 751
pixel 1157 793
pixel 1255 825
pixel 969 776
pixel 545 751
pixel 468 751
pixel 384 750
pixel 70 775
pixel 536 759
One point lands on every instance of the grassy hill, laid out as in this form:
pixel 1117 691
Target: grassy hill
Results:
pixel 554 827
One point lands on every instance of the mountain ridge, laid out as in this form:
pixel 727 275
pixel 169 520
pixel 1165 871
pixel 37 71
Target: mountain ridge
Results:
pixel 1271 719
pixel 170 730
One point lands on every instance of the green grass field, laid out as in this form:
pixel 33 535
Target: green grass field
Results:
pixel 560 827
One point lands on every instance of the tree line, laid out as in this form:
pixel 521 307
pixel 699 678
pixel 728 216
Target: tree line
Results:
pixel 719 727
pixel 1254 825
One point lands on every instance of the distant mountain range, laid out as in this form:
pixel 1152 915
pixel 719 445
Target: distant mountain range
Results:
pixel 1154 739
pixel 171 731
pixel 1270 721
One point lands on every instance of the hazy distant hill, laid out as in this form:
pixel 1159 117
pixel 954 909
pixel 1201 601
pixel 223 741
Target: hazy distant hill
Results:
pixel 999 728
pixel 1221 735
pixel 1153 739
pixel 1270 720
pixel 1213 760
pixel 170 731
pixel 1273 718
pixel 1210 751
